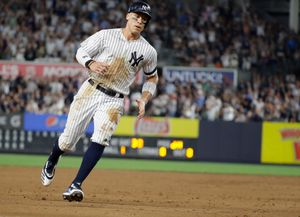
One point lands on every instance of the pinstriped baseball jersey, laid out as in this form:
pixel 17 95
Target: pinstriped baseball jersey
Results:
pixel 125 57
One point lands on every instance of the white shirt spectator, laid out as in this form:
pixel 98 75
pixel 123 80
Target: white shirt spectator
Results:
pixel 31 85
pixel 211 36
pixel 213 107
pixel 32 106
pixel 58 104
pixel 202 38
pixel 50 46
pixel 56 86
pixel 189 109
pixel 228 113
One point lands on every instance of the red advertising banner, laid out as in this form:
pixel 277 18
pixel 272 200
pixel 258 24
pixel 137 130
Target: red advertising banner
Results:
pixel 13 69
pixel 10 69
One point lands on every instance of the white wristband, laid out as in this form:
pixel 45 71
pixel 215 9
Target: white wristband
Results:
pixel 149 86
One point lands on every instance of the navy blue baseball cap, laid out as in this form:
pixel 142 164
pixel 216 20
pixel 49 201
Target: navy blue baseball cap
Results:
pixel 140 7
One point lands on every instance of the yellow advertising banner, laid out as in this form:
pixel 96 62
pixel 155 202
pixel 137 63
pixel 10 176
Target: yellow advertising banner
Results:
pixel 280 143
pixel 158 127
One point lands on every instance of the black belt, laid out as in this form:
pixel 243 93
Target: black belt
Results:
pixel 106 91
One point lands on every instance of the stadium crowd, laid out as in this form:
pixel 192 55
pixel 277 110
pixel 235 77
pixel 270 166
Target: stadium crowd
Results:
pixel 268 98
pixel 204 35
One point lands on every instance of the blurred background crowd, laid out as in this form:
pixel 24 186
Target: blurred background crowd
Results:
pixel 205 34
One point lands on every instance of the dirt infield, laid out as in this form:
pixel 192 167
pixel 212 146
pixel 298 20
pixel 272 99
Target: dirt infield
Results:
pixel 144 194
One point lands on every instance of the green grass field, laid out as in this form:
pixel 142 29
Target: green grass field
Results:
pixel 156 165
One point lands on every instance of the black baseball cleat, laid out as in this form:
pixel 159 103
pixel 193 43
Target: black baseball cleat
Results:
pixel 47 174
pixel 73 193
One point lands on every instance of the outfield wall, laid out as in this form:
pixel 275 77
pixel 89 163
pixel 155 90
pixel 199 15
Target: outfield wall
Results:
pixel 229 141
pixel 163 138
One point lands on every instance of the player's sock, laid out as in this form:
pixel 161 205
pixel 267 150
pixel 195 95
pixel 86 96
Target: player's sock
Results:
pixel 90 159
pixel 55 154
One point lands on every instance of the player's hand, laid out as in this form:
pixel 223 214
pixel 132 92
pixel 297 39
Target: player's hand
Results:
pixel 141 105
pixel 99 67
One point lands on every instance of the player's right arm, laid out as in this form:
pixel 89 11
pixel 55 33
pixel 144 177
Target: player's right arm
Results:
pixel 88 49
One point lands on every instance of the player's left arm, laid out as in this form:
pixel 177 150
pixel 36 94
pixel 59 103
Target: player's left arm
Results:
pixel 149 86
pixel 148 92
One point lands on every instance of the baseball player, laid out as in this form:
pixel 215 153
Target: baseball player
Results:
pixel 112 58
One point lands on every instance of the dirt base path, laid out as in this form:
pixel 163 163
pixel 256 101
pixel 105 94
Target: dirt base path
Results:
pixel 149 194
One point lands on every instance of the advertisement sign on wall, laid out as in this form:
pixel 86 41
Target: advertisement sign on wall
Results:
pixel 158 127
pixel 47 122
pixel 280 143
pixel 11 121
pixel 13 69
pixel 128 126
pixel 196 74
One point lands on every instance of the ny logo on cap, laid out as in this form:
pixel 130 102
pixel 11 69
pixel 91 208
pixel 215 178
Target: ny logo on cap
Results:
pixel 146 7
pixel 135 61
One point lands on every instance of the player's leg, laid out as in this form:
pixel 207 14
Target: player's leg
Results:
pixel 48 170
pixel 106 119
pixel 90 158
pixel 80 114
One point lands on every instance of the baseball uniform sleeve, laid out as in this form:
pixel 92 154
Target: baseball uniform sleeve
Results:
pixel 151 64
pixel 89 48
